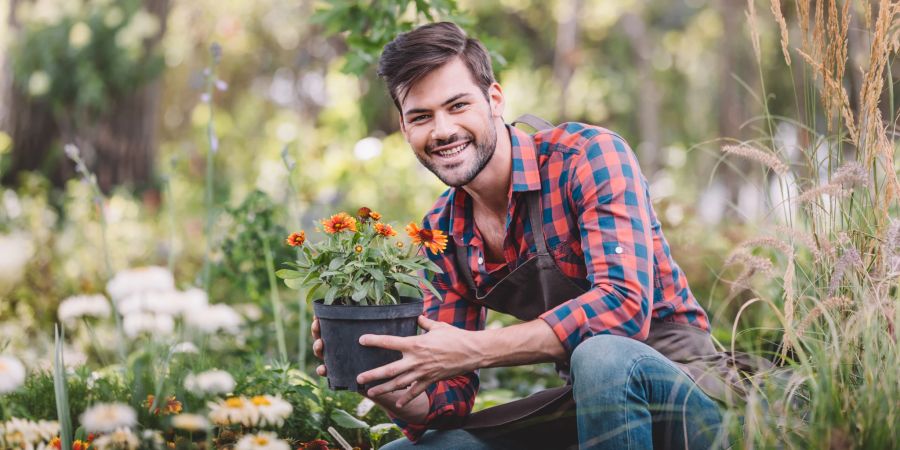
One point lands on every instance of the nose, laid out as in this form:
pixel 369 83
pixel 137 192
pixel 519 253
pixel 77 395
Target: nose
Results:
pixel 444 127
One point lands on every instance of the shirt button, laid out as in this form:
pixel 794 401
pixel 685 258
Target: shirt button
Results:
pixel 480 260
pixel 618 250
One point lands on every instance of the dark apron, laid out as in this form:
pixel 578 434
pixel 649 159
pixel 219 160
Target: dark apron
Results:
pixel 547 419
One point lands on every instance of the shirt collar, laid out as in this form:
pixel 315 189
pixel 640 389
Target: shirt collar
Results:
pixel 526 176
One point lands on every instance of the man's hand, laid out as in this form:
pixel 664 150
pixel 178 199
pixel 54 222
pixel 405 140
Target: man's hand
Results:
pixel 318 345
pixel 442 352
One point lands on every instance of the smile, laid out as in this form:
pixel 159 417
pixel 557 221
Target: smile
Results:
pixel 452 151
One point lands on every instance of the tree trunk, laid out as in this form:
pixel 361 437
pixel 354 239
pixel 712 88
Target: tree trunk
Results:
pixel 566 55
pixel 119 147
pixel 648 94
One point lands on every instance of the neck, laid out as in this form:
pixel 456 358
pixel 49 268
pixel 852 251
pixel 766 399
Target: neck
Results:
pixel 490 189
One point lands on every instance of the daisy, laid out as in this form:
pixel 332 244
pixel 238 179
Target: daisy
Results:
pixel 185 347
pixel 12 374
pixel 214 318
pixel 233 411
pixel 434 240
pixel 79 306
pixel 339 222
pixel 262 441
pixel 108 417
pixel 139 323
pixel 132 281
pixel 210 382
pixel 296 239
pixel 120 439
pixel 190 422
pixel 385 230
pixel 273 410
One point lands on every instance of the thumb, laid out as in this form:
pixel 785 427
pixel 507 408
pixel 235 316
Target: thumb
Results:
pixel 427 324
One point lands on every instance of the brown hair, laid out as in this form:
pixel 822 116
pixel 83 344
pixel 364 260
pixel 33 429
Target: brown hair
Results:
pixel 412 55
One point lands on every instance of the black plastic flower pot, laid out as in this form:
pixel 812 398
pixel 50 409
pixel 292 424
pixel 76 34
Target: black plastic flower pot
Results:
pixel 342 325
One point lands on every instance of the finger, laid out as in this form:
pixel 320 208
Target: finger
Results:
pixel 321 370
pixel 314 329
pixel 386 371
pixel 417 388
pixel 319 348
pixel 427 324
pixel 394 384
pixel 384 341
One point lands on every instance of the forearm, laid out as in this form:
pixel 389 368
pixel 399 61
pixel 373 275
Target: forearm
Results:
pixel 525 343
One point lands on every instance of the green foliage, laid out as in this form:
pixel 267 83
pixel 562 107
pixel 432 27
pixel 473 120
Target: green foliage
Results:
pixel 86 58
pixel 372 24
pixel 358 265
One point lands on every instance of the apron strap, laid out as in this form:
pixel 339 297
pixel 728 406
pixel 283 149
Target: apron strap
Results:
pixel 535 211
pixel 533 121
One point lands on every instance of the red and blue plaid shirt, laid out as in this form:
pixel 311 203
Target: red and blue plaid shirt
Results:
pixel 600 228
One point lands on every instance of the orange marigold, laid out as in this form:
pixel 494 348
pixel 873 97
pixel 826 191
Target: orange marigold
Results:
pixel 55 443
pixel 364 213
pixel 80 445
pixel 339 222
pixel 385 229
pixel 434 240
pixel 168 407
pixel 296 239
pixel 374 215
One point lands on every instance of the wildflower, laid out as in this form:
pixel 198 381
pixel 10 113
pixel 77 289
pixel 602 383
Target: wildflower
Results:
pixel 120 439
pixel 233 411
pixel 143 279
pixel 434 240
pixel 317 444
pixel 374 215
pixel 80 445
pixel 22 433
pixel 262 441
pixel 364 213
pixel 358 248
pixel 190 422
pixel 153 439
pixel 167 408
pixel 108 417
pixel 185 347
pixel 12 374
pixel 55 443
pixel 39 83
pixel 79 35
pixel 79 306
pixel 273 410
pixel 296 239
pixel 339 222
pixel 218 317
pixel 399 244
pixel 151 324
pixel 210 382
pixel 385 230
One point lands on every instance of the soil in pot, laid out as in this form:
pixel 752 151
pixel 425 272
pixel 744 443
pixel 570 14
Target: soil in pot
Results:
pixel 342 325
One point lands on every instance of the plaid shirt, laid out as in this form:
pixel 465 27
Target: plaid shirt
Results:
pixel 600 228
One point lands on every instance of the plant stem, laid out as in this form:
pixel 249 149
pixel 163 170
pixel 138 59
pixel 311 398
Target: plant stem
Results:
pixel 213 142
pixel 301 293
pixel 276 300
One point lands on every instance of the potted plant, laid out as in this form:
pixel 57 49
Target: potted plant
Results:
pixel 363 281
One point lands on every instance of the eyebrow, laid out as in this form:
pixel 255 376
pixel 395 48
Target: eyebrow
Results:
pixel 446 102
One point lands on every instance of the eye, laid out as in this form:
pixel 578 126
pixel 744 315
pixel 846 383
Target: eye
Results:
pixel 418 118
pixel 459 105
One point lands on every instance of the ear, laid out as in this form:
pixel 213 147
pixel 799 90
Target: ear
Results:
pixel 495 95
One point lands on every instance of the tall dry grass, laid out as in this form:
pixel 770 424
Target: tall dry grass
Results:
pixel 832 268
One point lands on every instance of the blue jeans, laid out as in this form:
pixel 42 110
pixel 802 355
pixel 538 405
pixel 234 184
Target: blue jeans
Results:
pixel 627 395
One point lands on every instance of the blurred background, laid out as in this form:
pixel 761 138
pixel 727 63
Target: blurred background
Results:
pixel 296 125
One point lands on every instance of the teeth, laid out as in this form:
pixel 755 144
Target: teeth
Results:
pixel 454 150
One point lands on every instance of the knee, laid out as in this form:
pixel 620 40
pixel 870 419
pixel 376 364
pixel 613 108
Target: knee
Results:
pixel 606 357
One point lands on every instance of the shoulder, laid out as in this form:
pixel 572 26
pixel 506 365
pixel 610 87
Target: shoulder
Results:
pixel 576 138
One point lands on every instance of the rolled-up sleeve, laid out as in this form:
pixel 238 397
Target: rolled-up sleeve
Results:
pixel 608 193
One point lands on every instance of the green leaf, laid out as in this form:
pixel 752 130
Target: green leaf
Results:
pixel 376 274
pixel 359 293
pixel 293 283
pixel 329 296
pixel 336 263
pixel 344 420
pixel 408 279
pixel 285 273
pixel 432 289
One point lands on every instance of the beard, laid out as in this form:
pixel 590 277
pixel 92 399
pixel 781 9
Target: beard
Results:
pixel 461 174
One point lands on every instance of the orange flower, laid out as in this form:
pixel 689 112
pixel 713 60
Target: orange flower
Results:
pixel 80 445
pixel 55 443
pixel 339 222
pixel 434 240
pixel 296 239
pixel 364 213
pixel 385 230
pixel 358 248
pixel 171 406
pixel 399 244
pixel 374 215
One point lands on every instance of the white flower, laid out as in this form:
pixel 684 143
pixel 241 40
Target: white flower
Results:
pixel 190 422
pixel 154 438
pixel 120 439
pixel 185 347
pixel 152 324
pixel 251 311
pixel 143 279
pixel 171 303
pixel 210 382
pixel 364 407
pixel 82 306
pixel 21 433
pixel 16 250
pixel 273 410
pixel 12 374
pixel 233 411
pixel 262 441
pixel 214 318
pixel 79 35
pixel 107 417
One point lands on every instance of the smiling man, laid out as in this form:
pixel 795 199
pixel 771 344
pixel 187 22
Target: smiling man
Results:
pixel 555 228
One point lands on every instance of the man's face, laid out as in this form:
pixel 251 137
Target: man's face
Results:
pixel 450 124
